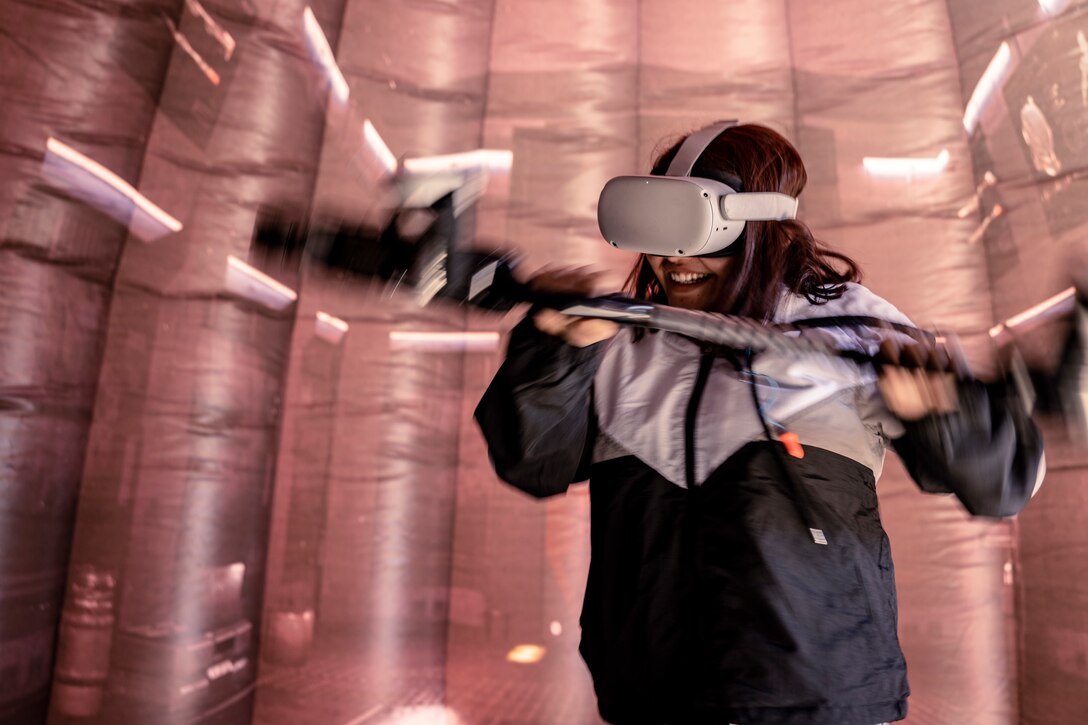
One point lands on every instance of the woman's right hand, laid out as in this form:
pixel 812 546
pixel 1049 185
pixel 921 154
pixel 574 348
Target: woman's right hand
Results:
pixel 576 331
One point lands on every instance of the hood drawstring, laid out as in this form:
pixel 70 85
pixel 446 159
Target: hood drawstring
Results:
pixel 802 499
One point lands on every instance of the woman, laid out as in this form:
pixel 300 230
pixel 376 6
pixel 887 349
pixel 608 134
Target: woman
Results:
pixel 740 573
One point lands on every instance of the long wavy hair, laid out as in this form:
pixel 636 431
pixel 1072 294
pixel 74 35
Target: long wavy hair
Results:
pixel 775 254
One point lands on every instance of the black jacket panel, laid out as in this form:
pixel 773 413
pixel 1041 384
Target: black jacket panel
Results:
pixel 715 603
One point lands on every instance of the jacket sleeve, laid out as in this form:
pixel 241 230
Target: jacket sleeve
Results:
pixel 989 453
pixel 537 416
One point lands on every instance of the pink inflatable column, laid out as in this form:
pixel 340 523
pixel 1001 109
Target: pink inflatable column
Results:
pixel 178 480
pixel 88 76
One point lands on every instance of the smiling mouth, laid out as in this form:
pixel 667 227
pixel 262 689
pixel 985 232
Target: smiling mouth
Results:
pixel 688 277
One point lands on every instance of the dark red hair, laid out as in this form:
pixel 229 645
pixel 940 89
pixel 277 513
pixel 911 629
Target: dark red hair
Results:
pixel 774 254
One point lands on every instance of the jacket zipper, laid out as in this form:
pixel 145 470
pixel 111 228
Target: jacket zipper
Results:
pixel 705 363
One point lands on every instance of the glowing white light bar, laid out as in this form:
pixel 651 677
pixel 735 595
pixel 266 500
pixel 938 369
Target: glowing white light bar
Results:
pixel 322 54
pixel 213 28
pixel 878 166
pixel 493 160
pixel 94 184
pixel 328 328
pixel 376 144
pixel 1053 7
pixel 426 190
pixel 253 284
pixel 526 654
pixel 993 78
pixel 413 715
pixel 1060 304
pixel 210 73
pixel 444 341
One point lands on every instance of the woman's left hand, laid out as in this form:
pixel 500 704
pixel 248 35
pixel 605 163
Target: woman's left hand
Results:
pixel 915 385
pixel 912 394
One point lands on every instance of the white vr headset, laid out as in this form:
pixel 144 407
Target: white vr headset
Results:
pixel 682 215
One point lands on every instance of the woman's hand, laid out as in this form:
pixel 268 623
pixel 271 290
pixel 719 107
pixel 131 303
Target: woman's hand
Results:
pixel 914 394
pixel 921 386
pixel 575 331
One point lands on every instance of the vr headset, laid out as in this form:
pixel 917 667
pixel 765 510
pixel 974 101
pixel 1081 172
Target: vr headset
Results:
pixel 682 215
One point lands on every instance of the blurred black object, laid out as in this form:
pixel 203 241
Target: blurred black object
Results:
pixel 287 237
pixel 1063 391
pixel 415 252
pixel 393 253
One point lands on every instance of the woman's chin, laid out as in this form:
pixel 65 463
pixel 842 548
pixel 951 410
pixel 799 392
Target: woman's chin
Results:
pixel 691 296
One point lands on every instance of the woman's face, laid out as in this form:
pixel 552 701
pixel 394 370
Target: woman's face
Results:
pixel 694 283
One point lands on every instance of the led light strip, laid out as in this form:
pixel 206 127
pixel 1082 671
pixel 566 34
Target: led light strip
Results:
pixel 375 143
pixel 494 160
pixel 106 201
pixel 995 75
pixel 444 341
pixel 319 46
pixel 1034 316
pixel 328 328
pixel 253 284
pixel 882 166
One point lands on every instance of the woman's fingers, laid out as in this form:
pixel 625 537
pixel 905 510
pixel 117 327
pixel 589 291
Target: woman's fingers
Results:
pixel 941 360
pixel 575 331
pixel 913 356
pixel 916 381
pixel 588 332
pixel 912 394
pixel 889 351
pixel 901 394
pixel 552 322
pixel 943 388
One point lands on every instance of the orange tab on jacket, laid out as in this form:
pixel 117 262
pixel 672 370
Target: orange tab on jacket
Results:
pixel 792 444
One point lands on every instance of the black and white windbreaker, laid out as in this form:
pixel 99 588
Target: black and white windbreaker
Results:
pixel 709 599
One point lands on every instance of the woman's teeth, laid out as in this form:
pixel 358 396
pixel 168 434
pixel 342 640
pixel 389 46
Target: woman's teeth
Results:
pixel 687 277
